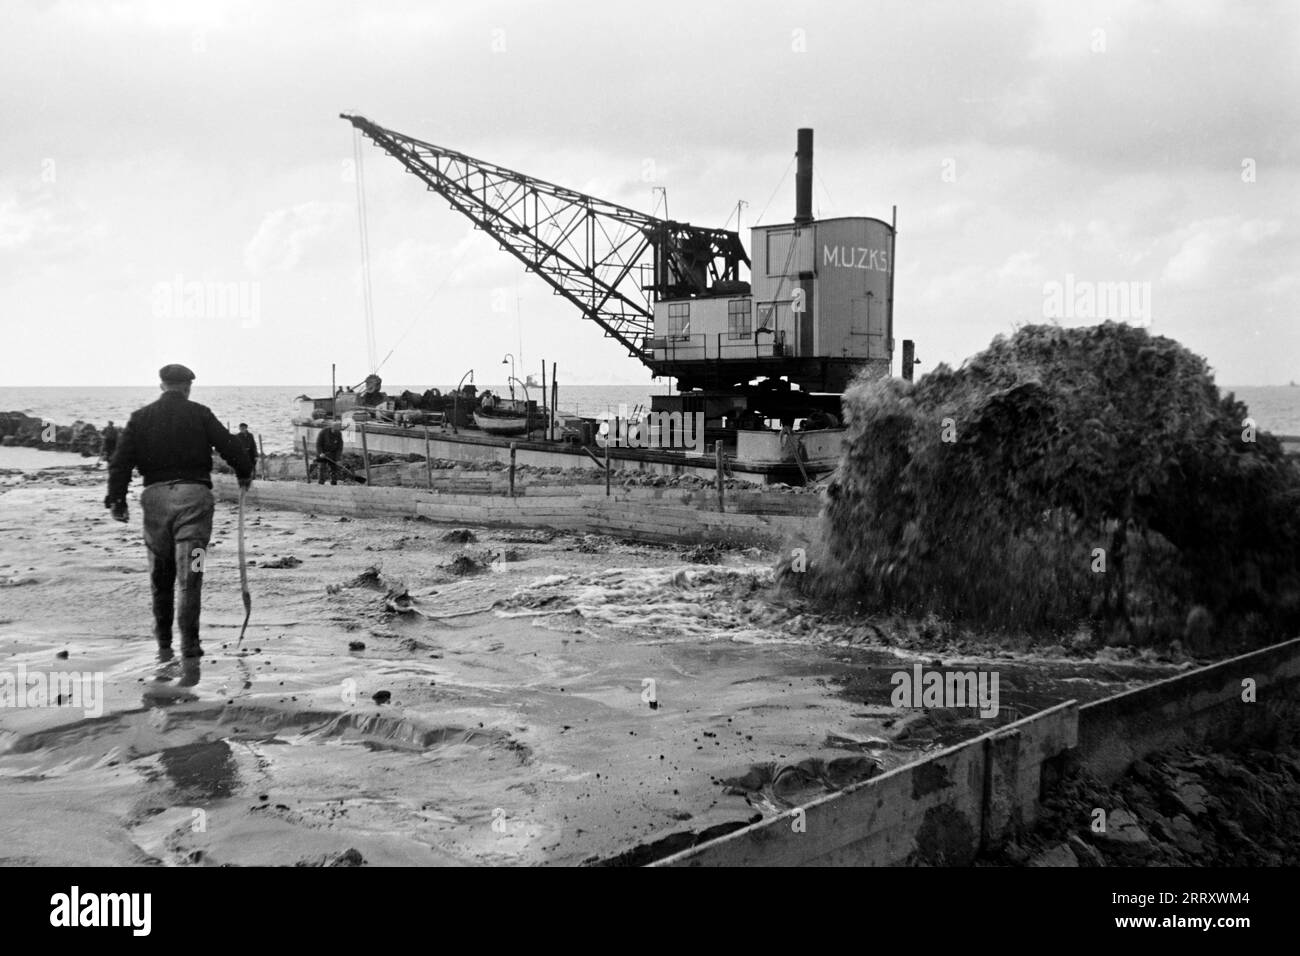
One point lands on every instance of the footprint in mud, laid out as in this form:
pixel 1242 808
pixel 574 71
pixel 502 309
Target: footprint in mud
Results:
pixel 784 786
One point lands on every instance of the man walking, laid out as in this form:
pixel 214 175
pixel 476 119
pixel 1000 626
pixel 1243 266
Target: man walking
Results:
pixel 329 449
pixel 249 444
pixel 171 442
pixel 109 438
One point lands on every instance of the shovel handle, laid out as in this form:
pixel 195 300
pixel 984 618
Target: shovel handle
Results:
pixel 243 570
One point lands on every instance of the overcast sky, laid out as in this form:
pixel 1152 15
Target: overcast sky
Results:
pixel 152 143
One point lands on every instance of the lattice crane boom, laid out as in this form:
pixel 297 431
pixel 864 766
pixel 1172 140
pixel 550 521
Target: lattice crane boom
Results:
pixel 589 250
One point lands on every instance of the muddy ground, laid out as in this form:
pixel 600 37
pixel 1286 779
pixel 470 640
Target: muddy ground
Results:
pixel 409 696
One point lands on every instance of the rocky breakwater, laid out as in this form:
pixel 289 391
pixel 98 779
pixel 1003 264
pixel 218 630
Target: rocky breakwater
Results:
pixel 25 431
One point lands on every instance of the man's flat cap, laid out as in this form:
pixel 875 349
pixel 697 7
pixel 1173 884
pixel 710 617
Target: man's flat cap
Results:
pixel 175 375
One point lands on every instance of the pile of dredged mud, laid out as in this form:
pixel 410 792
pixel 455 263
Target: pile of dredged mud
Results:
pixel 1064 475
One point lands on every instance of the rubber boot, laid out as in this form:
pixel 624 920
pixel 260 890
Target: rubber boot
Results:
pixel 190 579
pixel 191 672
pixel 162 582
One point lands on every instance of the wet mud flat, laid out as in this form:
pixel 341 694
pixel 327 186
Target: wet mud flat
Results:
pixel 413 694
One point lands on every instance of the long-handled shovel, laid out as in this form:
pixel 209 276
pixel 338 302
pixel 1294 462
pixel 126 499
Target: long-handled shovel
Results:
pixel 243 573
pixel 347 472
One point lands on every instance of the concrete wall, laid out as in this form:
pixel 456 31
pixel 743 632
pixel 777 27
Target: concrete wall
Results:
pixel 1203 706
pixel 940 810
pixel 655 515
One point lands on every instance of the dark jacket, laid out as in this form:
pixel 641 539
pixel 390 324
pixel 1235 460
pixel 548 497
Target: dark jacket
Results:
pixel 173 439
pixel 249 444
pixel 109 437
pixel 329 443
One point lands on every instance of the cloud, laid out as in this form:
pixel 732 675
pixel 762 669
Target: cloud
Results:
pixel 38 232
pixel 286 235
pixel 1019 266
pixel 21 224
pixel 1210 249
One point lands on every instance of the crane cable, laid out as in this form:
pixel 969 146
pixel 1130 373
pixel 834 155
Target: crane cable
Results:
pixel 775 191
pixel 789 255
pixel 825 190
pixel 785 273
pixel 367 294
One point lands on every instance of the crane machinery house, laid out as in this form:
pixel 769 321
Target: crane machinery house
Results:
pixel 816 313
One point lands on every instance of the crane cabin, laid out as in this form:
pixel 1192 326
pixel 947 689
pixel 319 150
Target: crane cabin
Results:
pixel 816 313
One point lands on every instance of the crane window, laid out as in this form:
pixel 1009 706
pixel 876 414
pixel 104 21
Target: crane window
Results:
pixel 739 319
pixel 679 320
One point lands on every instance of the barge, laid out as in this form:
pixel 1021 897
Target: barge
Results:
pixel 759 456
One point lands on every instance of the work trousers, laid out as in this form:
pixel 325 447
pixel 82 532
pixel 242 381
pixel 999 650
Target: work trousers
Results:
pixel 177 529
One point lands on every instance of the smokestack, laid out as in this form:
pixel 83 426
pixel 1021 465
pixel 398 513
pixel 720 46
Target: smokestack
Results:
pixel 803 179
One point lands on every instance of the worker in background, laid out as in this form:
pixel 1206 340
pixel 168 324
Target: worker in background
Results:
pixel 109 439
pixel 329 449
pixel 170 442
pixel 248 443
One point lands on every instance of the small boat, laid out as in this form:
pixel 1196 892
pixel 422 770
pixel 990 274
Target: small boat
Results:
pixel 506 416
pixel 498 423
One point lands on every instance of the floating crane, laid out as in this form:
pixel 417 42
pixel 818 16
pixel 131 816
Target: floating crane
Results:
pixel 671 292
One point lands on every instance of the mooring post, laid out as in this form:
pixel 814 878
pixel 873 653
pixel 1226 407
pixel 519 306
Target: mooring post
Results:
pixel 261 455
pixel 428 462
pixel 512 469
pixel 608 438
pixel 555 394
pixel 306 459
pixel 365 449
pixel 717 453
